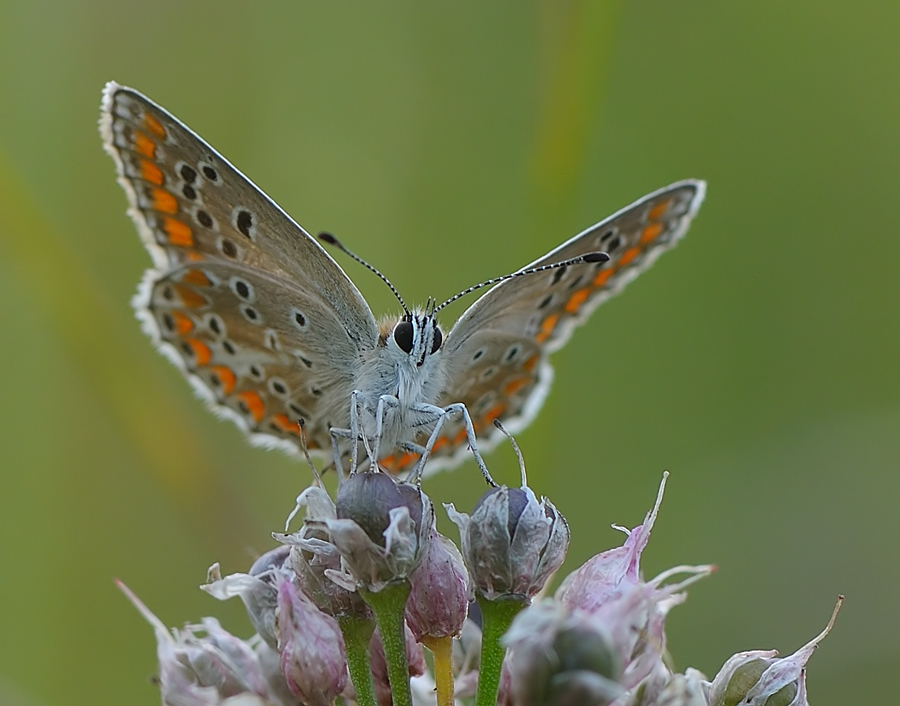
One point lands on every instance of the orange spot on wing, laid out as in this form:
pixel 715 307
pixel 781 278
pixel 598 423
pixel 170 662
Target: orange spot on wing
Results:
pixel 530 362
pixel 226 377
pixel 628 256
pixel 189 297
pixel 202 354
pixel 389 463
pixel 547 327
pixel 286 425
pixel 151 172
pixel 183 324
pixel 164 201
pixel 253 404
pixel 651 231
pixel 656 212
pixel 602 276
pixel 154 126
pixel 196 277
pixel 493 413
pixel 194 256
pixel 178 232
pixel 406 460
pixel 439 444
pixel 577 299
pixel 516 384
pixel 144 145
pixel 460 437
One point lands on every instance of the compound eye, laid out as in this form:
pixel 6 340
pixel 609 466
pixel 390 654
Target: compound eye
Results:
pixel 436 340
pixel 403 336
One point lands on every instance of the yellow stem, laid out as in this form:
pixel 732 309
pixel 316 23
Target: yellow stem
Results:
pixel 442 649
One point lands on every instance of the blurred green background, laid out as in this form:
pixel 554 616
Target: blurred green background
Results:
pixel 448 143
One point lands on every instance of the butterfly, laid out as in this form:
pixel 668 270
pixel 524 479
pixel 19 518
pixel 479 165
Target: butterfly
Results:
pixel 269 329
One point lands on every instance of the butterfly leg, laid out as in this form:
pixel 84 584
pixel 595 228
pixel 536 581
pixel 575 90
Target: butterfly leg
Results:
pixel 384 402
pixel 354 433
pixel 441 414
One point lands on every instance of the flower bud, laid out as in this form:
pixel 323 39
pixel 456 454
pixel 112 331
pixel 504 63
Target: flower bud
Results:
pixel 222 660
pixel 511 543
pixel 610 588
pixel 313 660
pixel 382 529
pixel 560 658
pixel 759 678
pixel 368 498
pixel 438 602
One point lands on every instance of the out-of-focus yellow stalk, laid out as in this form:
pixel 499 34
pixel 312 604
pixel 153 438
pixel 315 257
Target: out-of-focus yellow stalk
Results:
pixel 442 649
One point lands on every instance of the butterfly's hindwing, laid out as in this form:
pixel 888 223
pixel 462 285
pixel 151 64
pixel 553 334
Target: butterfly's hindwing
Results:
pixel 251 343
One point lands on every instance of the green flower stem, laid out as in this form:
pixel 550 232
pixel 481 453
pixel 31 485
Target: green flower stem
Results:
pixel 357 634
pixel 496 617
pixel 389 607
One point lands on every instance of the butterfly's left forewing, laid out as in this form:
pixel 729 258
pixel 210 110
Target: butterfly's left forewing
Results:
pixel 496 354
pixel 265 325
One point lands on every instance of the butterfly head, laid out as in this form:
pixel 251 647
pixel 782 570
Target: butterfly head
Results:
pixel 417 335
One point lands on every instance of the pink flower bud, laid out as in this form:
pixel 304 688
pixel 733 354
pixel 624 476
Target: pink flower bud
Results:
pixel 610 588
pixel 313 660
pixel 438 602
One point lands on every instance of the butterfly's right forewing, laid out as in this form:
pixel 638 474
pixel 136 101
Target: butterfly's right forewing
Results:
pixel 496 354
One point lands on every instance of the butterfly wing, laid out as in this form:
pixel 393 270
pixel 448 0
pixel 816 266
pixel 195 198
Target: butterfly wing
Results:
pixel 496 353
pixel 241 298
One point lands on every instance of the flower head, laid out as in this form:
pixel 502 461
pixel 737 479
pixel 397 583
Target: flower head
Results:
pixel 381 530
pixel 512 542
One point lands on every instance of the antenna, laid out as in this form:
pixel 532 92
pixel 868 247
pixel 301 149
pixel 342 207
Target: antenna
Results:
pixel 331 240
pixel 587 257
